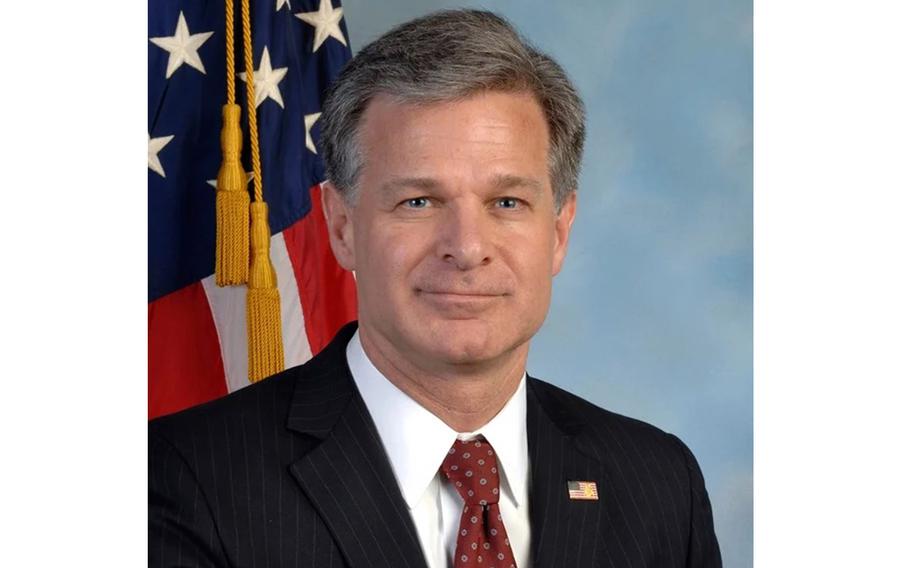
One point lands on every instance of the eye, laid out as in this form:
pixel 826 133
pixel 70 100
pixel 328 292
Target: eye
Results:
pixel 417 203
pixel 507 203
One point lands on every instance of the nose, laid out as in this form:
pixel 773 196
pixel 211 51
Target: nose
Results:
pixel 464 238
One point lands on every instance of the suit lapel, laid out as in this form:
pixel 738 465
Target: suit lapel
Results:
pixel 347 475
pixel 564 532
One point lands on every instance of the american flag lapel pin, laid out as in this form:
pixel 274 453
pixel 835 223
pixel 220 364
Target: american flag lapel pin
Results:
pixel 583 490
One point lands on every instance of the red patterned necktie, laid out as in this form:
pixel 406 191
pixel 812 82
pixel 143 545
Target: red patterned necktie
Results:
pixel 482 541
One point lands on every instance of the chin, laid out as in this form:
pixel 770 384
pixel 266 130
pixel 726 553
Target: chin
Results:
pixel 461 353
pixel 468 342
pixel 457 342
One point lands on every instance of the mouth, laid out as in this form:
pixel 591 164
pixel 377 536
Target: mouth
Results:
pixel 459 304
pixel 458 294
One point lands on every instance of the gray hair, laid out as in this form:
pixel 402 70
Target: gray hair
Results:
pixel 447 56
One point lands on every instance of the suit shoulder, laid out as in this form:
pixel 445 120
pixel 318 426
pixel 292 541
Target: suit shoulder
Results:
pixel 264 401
pixel 571 410
pixel 602 432
pixel 642 468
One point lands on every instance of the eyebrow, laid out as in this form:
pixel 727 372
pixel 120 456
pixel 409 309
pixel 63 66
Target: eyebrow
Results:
pixel 398 183
pixel 499 182
pixel 509 181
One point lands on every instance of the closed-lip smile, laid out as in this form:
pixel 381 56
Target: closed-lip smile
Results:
pixel 459 294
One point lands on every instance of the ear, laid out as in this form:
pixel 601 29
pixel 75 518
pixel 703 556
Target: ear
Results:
pixel 340 224
pixel 564 220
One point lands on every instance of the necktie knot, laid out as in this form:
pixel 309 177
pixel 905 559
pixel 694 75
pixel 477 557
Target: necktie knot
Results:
pixel 471 466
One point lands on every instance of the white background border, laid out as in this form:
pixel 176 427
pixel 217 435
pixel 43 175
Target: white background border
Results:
pixel 832 313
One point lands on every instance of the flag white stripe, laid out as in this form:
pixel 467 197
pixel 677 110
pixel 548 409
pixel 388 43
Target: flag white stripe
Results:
pixel 228 306
pixel 293 331
pixel 229 312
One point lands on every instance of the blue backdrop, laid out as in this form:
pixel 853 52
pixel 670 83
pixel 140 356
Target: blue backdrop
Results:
pixel 652 313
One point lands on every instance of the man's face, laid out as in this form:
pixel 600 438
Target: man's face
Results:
pixel 454 236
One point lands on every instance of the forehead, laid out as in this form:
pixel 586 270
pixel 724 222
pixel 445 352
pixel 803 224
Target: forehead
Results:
pixel 485 116
pixel 495 130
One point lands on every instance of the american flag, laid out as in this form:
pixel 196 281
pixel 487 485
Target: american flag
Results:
pixel 197 331
pixel 584 490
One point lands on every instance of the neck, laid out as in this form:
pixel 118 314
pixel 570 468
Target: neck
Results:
pixel 465 397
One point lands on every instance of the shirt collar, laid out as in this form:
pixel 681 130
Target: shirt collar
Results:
pixel 416 440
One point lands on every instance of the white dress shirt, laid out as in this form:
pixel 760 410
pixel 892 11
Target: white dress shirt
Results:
pixel 416 441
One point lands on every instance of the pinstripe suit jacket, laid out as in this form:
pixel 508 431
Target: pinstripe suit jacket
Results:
pixel 291 472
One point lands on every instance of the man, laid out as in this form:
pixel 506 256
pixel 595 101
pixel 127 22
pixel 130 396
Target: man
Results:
pixel 416 438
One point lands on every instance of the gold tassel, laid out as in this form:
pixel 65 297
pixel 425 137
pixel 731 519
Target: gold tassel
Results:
pixel 263 306
pixel 232 205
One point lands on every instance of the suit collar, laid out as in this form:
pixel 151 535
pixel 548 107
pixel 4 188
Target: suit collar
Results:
pixel 563 531
pixel 323 390
pixel 346 475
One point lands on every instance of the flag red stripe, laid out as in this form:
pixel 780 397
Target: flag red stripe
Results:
pixel 185 366
pixel 328 295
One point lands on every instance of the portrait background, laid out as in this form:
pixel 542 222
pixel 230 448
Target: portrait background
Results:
pixel 652 313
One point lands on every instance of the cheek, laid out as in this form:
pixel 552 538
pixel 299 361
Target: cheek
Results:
pixel 391 256
pixel 531 267
pixel 535 254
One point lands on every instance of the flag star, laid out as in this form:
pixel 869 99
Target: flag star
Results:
pixel 214 182
pixel 281 3
pixel 183 47
pixel 155 146
pixel 309 120
pixel 266 80
pixel 326 20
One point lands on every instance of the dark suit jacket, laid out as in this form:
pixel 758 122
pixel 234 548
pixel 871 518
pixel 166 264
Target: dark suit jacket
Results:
pixel 291 472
